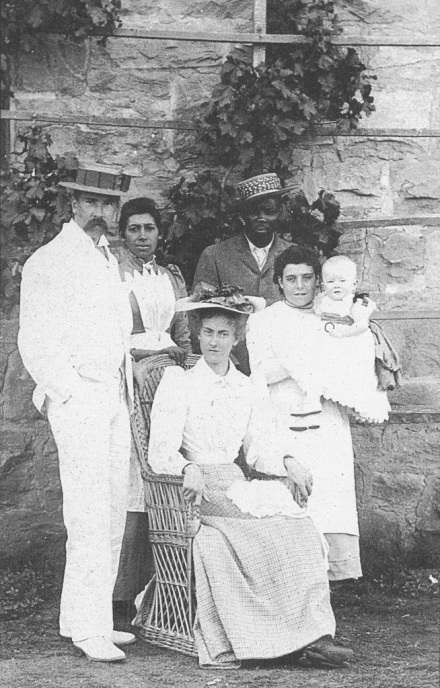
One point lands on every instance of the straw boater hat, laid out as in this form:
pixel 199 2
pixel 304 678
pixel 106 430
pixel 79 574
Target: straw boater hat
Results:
pixel 261 186
pixel 227 298
pixel 104 180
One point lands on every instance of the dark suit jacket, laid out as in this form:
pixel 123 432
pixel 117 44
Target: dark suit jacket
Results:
pixel 231 262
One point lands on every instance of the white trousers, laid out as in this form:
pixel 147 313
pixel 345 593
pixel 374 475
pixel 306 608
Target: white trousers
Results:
pixel 92 433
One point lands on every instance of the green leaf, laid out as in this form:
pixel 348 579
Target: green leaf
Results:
pixel 38 213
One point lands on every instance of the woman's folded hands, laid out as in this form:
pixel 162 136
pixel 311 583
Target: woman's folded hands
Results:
pixel 299 478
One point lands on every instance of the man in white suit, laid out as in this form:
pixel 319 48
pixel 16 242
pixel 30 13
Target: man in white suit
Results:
pixel 75 325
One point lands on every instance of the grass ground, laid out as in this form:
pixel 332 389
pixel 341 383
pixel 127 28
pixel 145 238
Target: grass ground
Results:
pixel 393 628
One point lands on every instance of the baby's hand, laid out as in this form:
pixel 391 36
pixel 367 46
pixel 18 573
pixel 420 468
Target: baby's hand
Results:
pixel 340 331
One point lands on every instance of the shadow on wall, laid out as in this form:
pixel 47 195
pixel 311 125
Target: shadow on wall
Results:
pixel 383 552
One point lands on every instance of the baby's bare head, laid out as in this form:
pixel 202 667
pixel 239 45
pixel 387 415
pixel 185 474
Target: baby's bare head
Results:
pixel 339 277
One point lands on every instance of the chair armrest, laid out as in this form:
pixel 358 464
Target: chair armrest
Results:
pixel 168 511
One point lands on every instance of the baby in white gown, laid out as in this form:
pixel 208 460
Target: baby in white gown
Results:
pixel 351 379
pixel 345 316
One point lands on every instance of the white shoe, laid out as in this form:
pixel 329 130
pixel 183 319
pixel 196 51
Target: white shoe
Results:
pixel 99 649
pixel 121 638
pixel 117 637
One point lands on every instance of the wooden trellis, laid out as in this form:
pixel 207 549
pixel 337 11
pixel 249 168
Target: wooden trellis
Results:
pixel 258 39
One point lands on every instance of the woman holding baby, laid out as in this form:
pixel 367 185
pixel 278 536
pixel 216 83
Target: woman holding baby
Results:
pixel 309 358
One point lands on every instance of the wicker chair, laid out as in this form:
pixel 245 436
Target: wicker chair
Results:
pixel 169 606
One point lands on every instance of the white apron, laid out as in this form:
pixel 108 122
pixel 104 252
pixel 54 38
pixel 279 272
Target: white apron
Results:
pixel 155 296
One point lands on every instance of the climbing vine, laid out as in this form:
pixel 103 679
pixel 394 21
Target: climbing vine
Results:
pixel 31 203
pixel 32 207
pixel 24 21
pixel 254 121
pixel 257 114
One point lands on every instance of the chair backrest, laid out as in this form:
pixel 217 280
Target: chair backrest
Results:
pixel 143 401
pixel 171 519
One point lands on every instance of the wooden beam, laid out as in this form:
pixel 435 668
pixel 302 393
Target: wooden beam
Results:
pixel 264 38
pixel 405 315
pixel 388 41
pixel 256 37
pixel 123 122
pixel 332 130
pixel 260 12
pixel 144 123
pixel 421 220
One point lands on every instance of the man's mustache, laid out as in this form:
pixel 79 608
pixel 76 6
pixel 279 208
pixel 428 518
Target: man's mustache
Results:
pixel 97 223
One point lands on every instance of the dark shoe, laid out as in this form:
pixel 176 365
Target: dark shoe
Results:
pixel 325 655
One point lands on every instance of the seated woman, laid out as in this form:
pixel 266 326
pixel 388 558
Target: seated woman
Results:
pixel 157 329
pixel 260 570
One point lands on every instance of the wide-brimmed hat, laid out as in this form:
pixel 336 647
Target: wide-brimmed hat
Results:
pixel 100 179
pixel 226 298
pixel 261 186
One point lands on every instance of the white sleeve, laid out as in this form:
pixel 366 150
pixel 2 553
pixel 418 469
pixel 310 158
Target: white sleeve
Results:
pixel 276 356
pixel 261 355
pixel 361 315
pixel 261 447
pixel 168 419
pixel 42 335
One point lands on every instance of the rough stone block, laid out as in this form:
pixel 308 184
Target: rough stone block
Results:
pixel 416 342
pixel 432 262
pixel 30 491
pixel 396 467
pixel 419 391
pixel 406 248
pixel 396 266
pixel 204 13
pixel 428 511
pixel 17 390
pixel 390 18
pixel 57 65
pixel 15 442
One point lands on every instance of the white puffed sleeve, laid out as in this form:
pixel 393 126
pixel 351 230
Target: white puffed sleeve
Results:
pixel 168 418
pixel 262 358
pixel 261 446
pixel 277 350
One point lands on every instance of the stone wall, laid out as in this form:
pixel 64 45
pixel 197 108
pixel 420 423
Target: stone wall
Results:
pixel 391 176
pixel 398 488
pixel 30 490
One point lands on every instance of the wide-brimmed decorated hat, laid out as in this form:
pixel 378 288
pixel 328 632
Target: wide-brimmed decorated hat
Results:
pixel 226 297
pixel 261 186
pixel 99 179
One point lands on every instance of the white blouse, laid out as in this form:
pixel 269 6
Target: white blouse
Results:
pixel 199 416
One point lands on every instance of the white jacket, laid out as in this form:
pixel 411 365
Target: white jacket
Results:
pixel 75 317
